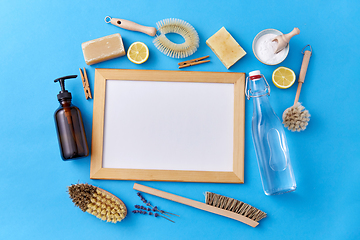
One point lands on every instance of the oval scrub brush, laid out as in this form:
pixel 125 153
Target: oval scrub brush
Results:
pixel 170 25
pixel 296 118
pixel 184 29
pixel 97 202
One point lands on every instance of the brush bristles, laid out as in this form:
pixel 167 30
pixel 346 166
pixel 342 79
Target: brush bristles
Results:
pixel 296 118
pixel 174 50
pixel 234 205
pixel 97 202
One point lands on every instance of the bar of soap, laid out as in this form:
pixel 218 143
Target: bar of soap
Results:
pixel 102 49
pixel 225 47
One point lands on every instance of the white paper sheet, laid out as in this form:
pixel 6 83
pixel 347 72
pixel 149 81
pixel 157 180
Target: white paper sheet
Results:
pixel 168 125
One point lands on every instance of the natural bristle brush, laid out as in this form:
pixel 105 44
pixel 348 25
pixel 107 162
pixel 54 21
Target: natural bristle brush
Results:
pixel 171 25
pixel 296 118
pixel 218 204
pixel 97 202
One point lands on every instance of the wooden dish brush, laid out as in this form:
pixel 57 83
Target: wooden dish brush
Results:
pixel 170 25
pixel 97 202
pixel 218 204
pixel 296 118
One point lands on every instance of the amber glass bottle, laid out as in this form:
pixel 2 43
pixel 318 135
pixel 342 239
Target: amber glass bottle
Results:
pixel 69 125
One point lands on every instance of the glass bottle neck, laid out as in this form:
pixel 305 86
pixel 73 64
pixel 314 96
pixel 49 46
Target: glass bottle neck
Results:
pixel 259 90
pixel 258 87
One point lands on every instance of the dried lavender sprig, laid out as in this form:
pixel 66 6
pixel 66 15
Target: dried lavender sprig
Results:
pixel 158 215
pixel 163 212
pixel 155 209
pixel 150 213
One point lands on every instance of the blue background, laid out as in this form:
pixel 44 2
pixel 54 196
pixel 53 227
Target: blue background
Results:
pixel 41 41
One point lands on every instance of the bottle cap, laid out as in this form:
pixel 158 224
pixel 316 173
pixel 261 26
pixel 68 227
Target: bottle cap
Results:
pixel 64 94
pixel 254 75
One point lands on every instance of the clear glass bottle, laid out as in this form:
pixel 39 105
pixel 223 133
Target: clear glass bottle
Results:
pixel 69 125
pixel 269 139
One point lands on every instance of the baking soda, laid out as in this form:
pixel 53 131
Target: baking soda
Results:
pixel 265 49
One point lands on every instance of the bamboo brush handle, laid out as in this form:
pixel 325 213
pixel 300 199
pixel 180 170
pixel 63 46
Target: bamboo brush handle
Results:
pixel 132 26
pixel 302 74
pixel 195 204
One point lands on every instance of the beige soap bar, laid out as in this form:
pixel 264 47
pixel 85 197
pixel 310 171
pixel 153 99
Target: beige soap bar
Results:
pixel 102 49
pixel 225 47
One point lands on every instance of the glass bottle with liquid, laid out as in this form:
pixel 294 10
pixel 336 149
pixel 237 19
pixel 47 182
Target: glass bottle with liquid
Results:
pixel 69 125
pixel 269 139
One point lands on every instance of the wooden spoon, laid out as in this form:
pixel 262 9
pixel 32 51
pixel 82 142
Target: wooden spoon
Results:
pixel 283 40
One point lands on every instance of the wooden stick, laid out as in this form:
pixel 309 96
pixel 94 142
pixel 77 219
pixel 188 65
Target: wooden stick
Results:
pixel 85 82
pixel 193 60
pixel 196 204
pixel 194 63
pixel 302 74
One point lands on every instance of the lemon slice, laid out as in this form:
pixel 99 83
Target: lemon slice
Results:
pixel 283 77
pixel 138 53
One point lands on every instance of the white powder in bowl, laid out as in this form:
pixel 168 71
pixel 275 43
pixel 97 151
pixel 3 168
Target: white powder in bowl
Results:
pixel 265 48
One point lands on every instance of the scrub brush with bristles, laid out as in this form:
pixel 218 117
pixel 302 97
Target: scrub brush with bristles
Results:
pixel 296 118
pixel 170 25
pixel 97 202
pixel 184 29
pixel 214 203
pixel 234 205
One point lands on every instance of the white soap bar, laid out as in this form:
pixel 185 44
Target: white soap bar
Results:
pixel 225 47
pixel 102 49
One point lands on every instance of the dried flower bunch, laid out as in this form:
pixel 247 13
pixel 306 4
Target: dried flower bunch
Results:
pixel 97 202
pixel 148 210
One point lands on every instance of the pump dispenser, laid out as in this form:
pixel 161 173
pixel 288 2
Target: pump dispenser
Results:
pixel 69 125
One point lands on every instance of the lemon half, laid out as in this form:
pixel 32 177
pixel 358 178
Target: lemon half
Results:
pixel 283 77
pixel 138 52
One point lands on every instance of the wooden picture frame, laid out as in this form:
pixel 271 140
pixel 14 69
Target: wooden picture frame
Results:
pixel 103 75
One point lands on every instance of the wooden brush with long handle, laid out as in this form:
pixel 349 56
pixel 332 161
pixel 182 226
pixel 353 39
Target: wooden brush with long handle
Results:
pixel 215 203
pixel 296 118
pixel 161 42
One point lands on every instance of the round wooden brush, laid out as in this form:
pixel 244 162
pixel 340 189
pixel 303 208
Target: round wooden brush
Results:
pixel 161 42
pixel 184 29
pixel 296 117
pixel 97 202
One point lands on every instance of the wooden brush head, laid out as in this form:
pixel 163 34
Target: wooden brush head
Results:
pixel 97 202
pixel 235 206
pixel 184 29
pixel 296 118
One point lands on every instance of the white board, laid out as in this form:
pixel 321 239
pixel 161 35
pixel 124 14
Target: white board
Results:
pixel 168 125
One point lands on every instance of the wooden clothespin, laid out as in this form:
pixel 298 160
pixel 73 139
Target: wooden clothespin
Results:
pixel 193 62
pixel 86 85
